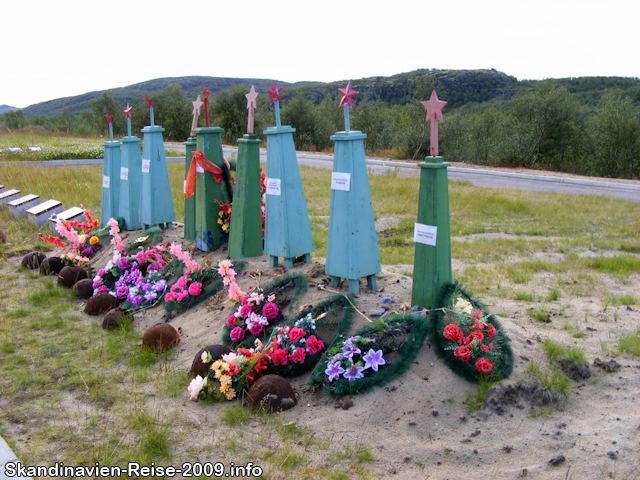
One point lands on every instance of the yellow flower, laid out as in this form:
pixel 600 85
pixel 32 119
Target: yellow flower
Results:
pixel 220 213
pixel 225 227
pixel 93 240
pixel 224 379
pixel 230 394
pixel 220 222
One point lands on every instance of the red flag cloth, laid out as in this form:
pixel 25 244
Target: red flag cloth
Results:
pixel 207 166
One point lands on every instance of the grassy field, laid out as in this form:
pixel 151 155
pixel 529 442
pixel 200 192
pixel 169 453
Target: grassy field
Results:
pixel 118 395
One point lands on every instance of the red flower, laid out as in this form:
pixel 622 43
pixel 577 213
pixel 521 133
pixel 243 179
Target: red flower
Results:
pixel 233 369
pixel 485 348
pixel 314 345
pixel 279 357
pixel 298 355
pixel 452 332
pixel 483 365
pixel 296 334
pixel 477 314
pixel 491 331
pixel 476 335
pixel 463 354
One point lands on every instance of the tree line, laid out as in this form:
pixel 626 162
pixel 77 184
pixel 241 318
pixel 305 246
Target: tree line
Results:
pixel 544 127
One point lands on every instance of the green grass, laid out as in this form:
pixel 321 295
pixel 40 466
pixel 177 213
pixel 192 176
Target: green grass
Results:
pixel 630 343
pixel 621 300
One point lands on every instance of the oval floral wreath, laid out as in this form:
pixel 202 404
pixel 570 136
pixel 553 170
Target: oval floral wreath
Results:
pixel 469 338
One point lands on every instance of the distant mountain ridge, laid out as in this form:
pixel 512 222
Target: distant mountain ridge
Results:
pixel 6 108
pixel 456 87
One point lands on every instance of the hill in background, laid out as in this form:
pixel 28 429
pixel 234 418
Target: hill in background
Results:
pixel 6 108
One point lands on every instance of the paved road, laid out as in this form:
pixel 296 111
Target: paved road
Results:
pixel 479 177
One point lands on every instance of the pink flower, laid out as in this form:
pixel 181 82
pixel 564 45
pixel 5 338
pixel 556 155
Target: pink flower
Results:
pixel 101 289
pixel 182 295
pixel 169 296
pixel 233 369
pixel 245 310
pixel 270 310
pixel 231 321
pixel 271 298
pixel 237 334
pixel 97 282
pixel 122 292
pixel 256 329
pixel 279 357
pixel 296 334
pixel 298 355
pixel 235 293
pixel 195 288
pixel 314 345
pixel 195 387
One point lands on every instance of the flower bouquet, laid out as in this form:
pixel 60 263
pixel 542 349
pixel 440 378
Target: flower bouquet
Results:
pixel 256 313
pixel 375 354
pixel 468 337
pixel 84 240
pixel 229 376
pixel 297 346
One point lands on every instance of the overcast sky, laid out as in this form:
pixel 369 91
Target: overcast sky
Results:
pixel 65 48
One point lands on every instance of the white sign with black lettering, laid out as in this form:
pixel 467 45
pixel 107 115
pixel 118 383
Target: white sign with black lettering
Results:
pixel 105 181
pixel 273 186
pixel 146 163
pixel 425 234
pixel 341 181
pixel 124 173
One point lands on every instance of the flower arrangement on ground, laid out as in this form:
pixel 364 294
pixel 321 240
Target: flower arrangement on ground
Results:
pixel 229 376
pixel 375 354
pixel 294 343
pixel 357 358
pixel 469 337
pixel 82 244
pixel 252 316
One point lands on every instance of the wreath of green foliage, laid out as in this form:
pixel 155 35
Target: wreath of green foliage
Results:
pixel 328 329
pixel 444 302
pixel 211 284
pixel 400 333
pixel 300 288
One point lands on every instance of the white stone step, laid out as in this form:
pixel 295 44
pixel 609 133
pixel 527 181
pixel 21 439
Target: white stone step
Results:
pixel 18 207
pixel 39 215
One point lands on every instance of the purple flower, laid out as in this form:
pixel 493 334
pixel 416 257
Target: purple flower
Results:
pixel 349 352
pixel 87 251
pixel 136 301
pixel 354 372
pixel 122 292
pixel 145 287
pixel 160 285
pixel 150 296
pixel 373 359
pixel 123 264
pixel 152 267
pixel 333 370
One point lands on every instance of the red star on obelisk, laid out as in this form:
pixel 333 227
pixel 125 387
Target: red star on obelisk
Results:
pixel 108 117
pixel 197 105
pixel 148 100
pixel 347 94
pixel 434 115
pixel 205 95
pixel 274 93
pixel 127 112
pixel 251 105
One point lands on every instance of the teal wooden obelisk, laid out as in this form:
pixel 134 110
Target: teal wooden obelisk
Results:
pixel 352 246
pixel 208 234
pixel 110 178
pixel 130 176
pixel 190 202
pixel 287 228
pixel 156 203
pixel 432 232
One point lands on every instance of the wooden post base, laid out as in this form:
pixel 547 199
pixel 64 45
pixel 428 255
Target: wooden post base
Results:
pixel 288 261
pixel 354 283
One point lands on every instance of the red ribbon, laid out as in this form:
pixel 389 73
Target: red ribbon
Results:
pixel 207 166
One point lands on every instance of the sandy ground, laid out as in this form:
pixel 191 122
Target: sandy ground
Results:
pixel 417 426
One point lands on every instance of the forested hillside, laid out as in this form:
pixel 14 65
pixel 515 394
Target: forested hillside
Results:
pixel 582 125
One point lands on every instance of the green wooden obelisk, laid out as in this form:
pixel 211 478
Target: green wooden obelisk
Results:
pixel 130 178
pixel 156 203
pixel 110 177
pixel 352 246
pixel 287 229
pixel 432 232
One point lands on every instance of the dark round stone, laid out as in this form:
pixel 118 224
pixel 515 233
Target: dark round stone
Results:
pixel 116 318
pixel 159 337
pixel 51 266
pixel 101 303
pixel 83 288
pixel 69 275
pixel 32 260
pixel 273 392
pixel 198 367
